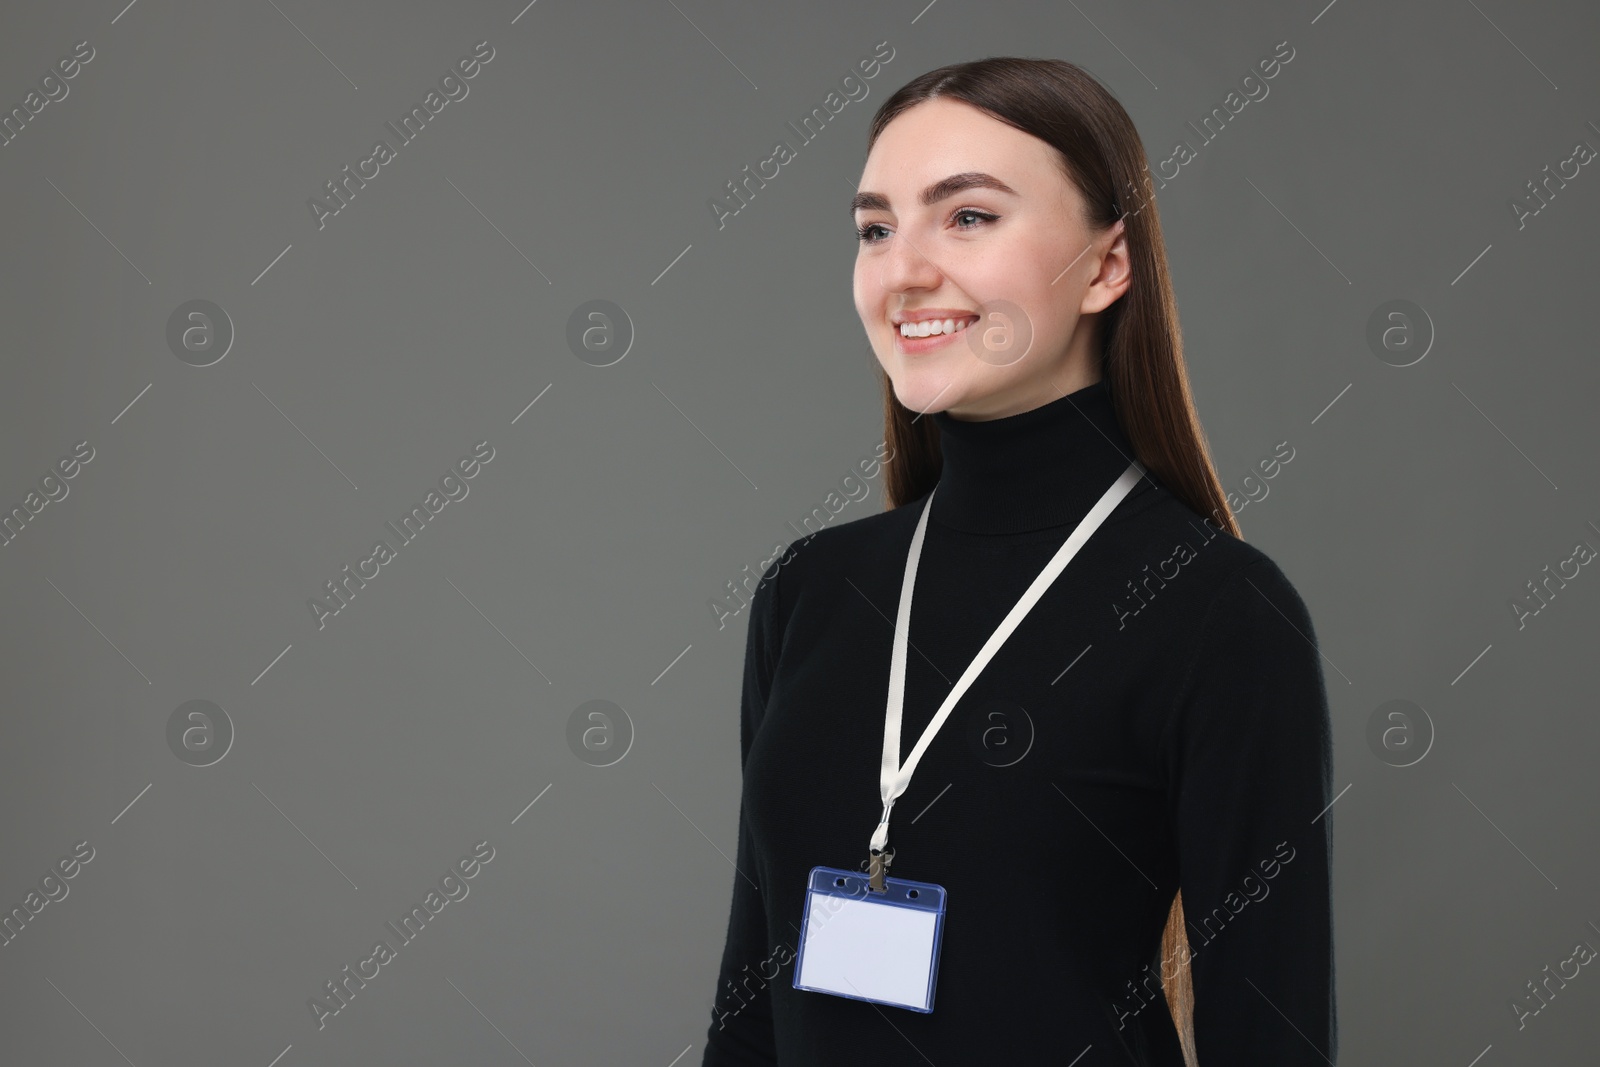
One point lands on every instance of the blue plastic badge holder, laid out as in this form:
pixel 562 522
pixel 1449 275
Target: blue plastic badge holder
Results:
pixel 882 948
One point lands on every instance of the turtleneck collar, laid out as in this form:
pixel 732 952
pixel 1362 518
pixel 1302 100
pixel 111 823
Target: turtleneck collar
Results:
pixel 1030 471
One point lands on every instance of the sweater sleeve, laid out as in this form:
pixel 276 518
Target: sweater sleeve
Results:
pixel 741 1033
pixel 1250 758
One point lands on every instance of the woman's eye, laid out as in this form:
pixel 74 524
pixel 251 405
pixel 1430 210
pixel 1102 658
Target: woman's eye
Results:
pixel 870 234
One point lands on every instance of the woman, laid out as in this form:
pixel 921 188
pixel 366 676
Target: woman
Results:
pixel 1128 808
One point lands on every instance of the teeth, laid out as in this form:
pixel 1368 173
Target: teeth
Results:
pixel 929 327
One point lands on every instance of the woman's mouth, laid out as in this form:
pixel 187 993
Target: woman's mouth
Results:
pixel 926 335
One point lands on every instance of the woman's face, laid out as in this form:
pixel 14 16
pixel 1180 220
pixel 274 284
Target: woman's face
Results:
pixel 968 217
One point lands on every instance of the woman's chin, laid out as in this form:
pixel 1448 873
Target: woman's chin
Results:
pixel 926 392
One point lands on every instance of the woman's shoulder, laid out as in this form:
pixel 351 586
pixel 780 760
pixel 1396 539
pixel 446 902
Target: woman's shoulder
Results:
pixel 830 551
pixel 1178 539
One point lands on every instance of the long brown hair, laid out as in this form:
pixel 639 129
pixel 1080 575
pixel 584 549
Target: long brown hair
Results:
pixel 1141 358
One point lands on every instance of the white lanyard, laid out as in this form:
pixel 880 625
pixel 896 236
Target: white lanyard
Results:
pixel 894 778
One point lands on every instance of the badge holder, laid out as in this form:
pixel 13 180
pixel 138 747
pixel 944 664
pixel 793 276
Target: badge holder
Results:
pixel 878 946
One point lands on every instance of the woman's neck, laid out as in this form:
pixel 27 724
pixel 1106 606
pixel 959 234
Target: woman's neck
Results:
pixel 1031 471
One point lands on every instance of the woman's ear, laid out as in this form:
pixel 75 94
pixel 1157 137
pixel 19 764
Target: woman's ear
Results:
pixel 1115 273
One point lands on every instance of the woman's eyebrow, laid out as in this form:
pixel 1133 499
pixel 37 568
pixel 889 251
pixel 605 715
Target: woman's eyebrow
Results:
pixel 936 192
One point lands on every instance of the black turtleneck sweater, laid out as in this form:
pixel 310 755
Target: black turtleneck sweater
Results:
pixel 1157 722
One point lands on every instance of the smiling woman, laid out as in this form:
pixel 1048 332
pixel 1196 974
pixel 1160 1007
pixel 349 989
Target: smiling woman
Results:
pixel 1014 287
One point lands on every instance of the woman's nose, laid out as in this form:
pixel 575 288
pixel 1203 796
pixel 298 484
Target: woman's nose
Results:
pixel 904 266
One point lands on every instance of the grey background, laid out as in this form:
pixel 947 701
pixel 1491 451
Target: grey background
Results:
pixel 429 713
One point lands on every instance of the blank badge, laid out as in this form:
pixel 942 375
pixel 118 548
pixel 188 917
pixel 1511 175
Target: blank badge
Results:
pixel 878 947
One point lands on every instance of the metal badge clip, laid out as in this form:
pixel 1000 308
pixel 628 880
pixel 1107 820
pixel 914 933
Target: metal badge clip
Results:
pixel 877 867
